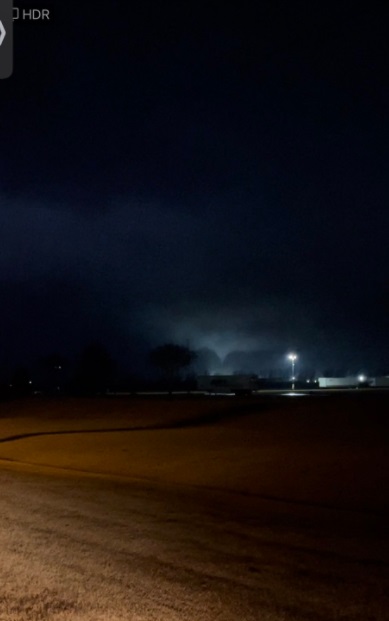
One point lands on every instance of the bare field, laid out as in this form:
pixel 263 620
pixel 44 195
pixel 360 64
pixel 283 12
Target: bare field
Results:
pixel 266 509
pixel 330 451
pixel 42 415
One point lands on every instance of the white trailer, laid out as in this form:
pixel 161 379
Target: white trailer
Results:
pixel 350 381
pixel 227 384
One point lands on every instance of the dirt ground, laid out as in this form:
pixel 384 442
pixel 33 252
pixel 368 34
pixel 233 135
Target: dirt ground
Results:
pixel 328 451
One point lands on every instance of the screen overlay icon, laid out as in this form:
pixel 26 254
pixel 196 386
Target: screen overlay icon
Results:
pixel 6 38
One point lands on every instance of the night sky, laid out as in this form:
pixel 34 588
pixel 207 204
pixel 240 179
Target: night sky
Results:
pixel 211 174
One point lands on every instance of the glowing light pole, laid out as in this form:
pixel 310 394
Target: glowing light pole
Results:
pixel 292 358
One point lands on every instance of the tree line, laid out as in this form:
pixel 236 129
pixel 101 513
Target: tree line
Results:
pixel 96 372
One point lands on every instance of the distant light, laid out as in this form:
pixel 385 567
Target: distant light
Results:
pixel 30 382
pixel 361 378
pixel 308 381
pixel 292 357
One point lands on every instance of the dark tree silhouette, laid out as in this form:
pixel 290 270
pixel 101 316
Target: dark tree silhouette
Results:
pixel 96 369
pixel 171 359
pixel 20 383
pixel 53 366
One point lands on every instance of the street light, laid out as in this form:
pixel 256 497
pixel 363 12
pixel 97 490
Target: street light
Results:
pixel 292 358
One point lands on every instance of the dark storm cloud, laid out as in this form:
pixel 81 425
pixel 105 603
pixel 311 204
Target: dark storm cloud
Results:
pixel 215 178
pixel 160 273
pixel 154 270
pixel 177 102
